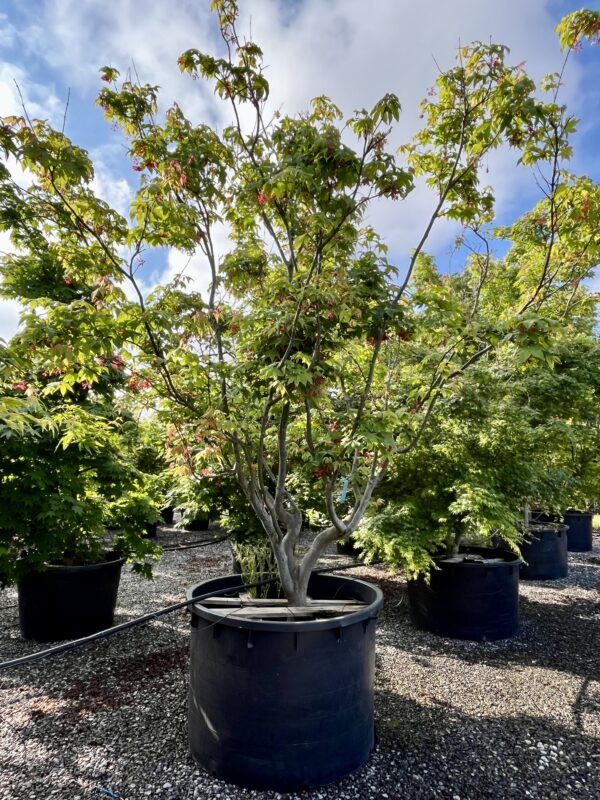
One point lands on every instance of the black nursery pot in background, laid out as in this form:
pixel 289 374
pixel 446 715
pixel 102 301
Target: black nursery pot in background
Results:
pixel 168 514
pixel 198 524
pixel 545 553
pixel 579 535
pixel 283 705
pixel 67 602
pixel 347 547
pixel 474 595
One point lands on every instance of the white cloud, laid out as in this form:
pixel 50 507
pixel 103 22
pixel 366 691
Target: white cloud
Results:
pixel 350 50
pixel 8 32
pixel 39 100
pixel 9 309
pixel 341 48
pixel 195 267
pixel 355 54
pixel 9 318
pixel 178 263
pixel 79 38
pixel 108 184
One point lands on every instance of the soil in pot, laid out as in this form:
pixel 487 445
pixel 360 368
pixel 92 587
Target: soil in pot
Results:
pixel 544 553
pixel 67 602
pixel 579 535
pixel 541 517
pixel 279 699
pixel 472 595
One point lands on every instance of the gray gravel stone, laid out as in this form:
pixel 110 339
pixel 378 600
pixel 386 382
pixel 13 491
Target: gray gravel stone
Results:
pixel 455 719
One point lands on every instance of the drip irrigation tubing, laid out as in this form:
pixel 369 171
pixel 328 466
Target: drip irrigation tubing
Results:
pixel 123 626
pixel 199 543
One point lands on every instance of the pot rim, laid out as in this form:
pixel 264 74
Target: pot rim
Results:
pixel 370 611
pixel 545 527
pixel 510 559
pixel 111 557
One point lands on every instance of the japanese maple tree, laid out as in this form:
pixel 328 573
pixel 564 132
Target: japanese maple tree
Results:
pixel 283 374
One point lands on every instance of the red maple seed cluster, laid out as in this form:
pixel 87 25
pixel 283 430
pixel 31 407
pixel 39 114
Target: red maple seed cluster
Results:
pixel 137 384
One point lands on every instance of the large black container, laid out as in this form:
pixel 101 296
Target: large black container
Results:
pixel 579 535
pixel 545 553
pixel 69 602
pixel 474 595
pixel 283 705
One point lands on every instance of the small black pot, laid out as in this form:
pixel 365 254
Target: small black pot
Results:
pixel 69 602
pixel 545 553
pixel 197 524
pixel 474 595
pixel 283 705
pixel 151 529
pixel 347 547
pixel 168 515
pixel 579 536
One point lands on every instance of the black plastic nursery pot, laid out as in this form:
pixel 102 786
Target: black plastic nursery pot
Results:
pixel 283 705
pixel 151 530
pixel 197 524
pixel 473 595
pixel 579 535
pixel 545 553
pixel 347 547
pixel 168 515
pixel 67 602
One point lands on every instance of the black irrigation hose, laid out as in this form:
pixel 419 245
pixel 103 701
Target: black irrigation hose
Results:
pixel 123 626
pixel 200 543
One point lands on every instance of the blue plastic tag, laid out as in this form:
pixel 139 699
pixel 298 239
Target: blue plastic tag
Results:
pixel 344 490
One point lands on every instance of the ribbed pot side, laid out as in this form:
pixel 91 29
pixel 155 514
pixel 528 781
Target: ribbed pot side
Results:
pixel 579 535
pixel 545 553
pixel 468 599
pixel 283 705
pixel 67 602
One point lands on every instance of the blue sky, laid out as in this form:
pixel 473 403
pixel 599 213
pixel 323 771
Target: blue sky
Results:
pixel 352 50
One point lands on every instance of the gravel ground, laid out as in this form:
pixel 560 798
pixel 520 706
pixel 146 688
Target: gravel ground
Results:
pixel 455 719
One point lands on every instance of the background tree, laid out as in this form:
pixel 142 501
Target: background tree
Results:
pixel 64 470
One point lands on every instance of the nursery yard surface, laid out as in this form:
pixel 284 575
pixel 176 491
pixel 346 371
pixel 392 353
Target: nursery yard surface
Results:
pixel 454 719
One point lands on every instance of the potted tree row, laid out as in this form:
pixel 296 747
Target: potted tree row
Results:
pixel 565 407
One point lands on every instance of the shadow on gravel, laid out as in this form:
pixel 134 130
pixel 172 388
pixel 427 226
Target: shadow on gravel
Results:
pixel 561 636
pixel 446 753
pixel 73 718
pixel 584 574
